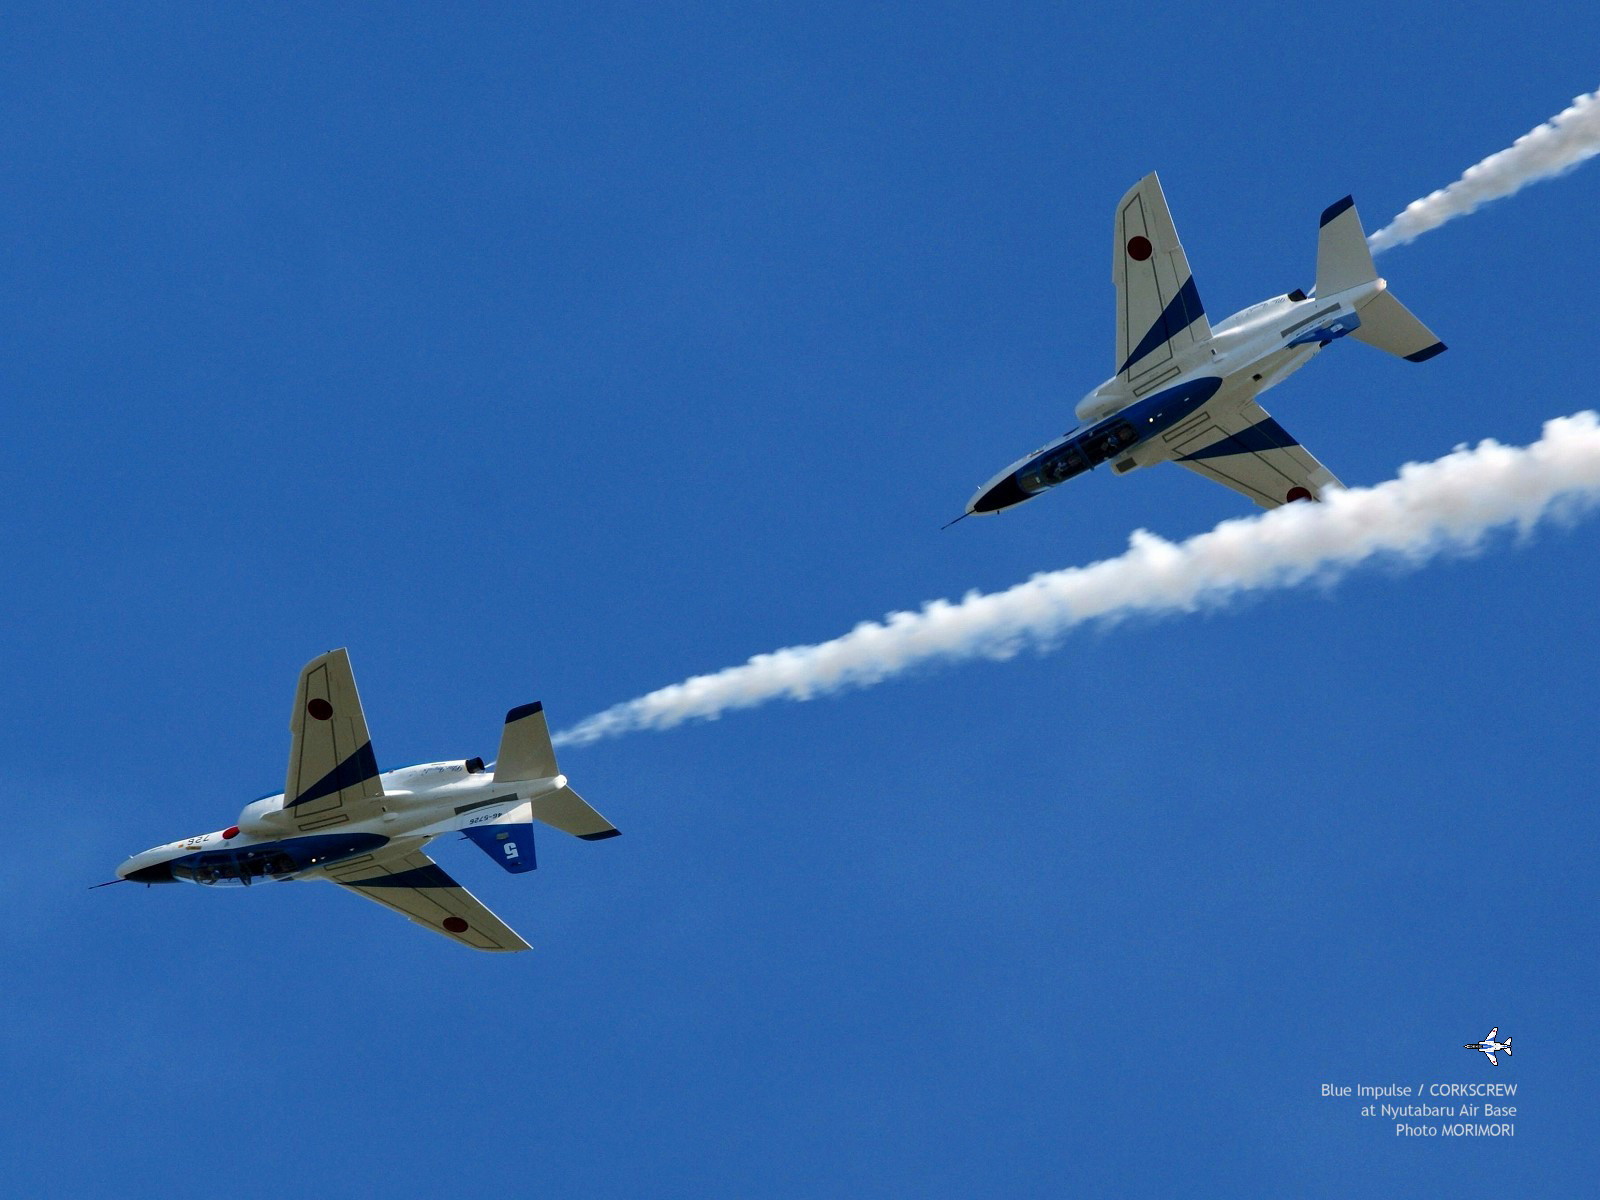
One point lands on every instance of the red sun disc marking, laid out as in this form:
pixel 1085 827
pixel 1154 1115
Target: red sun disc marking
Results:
pixel 1139 247
pixel 319 708
pixel 1297 493
pixel 230 833
pixel 455 924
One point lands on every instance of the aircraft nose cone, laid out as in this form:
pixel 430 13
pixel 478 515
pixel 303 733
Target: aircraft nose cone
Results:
pixel 155 873
pixel 160 872
pixel 1002 495
pixel 138 870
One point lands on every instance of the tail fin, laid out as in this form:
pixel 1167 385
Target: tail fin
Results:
pixel 508 840
pixel 525 749
pixel 1508 1048
pixel 526 753
pixel 1343 260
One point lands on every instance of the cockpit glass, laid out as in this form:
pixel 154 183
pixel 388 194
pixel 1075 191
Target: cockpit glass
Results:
pixel 1057 466
pixel 242 868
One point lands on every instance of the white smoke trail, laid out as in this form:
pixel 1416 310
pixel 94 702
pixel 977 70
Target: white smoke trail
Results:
pixel 1558 145
pixel 1449 504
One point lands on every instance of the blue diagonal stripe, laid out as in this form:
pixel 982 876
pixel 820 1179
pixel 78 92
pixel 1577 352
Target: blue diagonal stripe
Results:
pixel 1183 312
pixel 430 876
pixel 358 768
pixel 1263 435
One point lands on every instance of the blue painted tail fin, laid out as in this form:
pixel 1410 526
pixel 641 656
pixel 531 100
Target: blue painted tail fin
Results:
pixel 509 843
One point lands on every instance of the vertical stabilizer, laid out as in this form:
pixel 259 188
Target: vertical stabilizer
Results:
pixel 1343 259
pixel 525 749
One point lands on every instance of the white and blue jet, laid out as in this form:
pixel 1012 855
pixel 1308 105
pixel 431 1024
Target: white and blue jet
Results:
pixel 1186 393
pixel 339 818
pixel 1490 1047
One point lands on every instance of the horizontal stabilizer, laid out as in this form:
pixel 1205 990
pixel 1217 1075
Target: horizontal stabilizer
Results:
pixel 569 812
pixel 525 749
pixel 1389 325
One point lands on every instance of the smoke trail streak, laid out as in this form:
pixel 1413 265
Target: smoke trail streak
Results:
pixel 1558 145
pixel 1432 508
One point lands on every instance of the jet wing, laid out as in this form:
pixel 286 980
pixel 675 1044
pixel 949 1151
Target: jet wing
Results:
pixel 1492 1034
pixel 1159 314
pixel 418 889
pixel 1246 450
pixel 1493 1061
pixel 333 775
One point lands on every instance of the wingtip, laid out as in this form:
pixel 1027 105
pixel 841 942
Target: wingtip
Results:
pixel 1432 351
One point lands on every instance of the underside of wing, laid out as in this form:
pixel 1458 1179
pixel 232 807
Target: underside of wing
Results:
pixel 1493 1061
pixel 333 774
pixel 1159 314
pixel 1246 450
pixel 419 889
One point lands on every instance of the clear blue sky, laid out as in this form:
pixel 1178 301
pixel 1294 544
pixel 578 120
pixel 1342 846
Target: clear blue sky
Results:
pixel 544 355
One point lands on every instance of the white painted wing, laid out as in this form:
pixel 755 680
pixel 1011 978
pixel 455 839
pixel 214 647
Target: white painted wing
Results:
pixel 418 888
pixel 1493 1061
pixel 1159 314
pixel 1246 450
pixel 333 775
pixel 1492 1034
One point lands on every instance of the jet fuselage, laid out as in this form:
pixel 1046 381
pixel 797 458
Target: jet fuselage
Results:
pixel 1248 353
pixel 419 804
